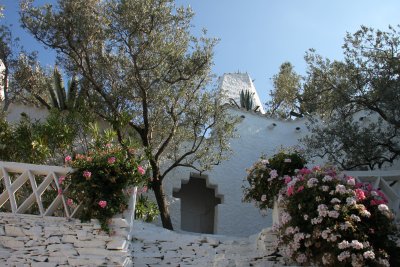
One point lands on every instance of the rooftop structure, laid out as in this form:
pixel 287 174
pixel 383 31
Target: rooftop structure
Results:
pixel 233 83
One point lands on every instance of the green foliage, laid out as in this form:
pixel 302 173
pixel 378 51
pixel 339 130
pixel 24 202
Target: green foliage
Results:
pixel 357 101
pixel 286 95
pixel 337 95
pixel 21 142
pixel 265 177
pixel 38 142
pixel 62 99
pixel 143 70
pixel 145 209
pixel 246 100
pixel 100 181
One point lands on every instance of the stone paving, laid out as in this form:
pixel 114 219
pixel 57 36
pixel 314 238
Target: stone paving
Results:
pixel 155 246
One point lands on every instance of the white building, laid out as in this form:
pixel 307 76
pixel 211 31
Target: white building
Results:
pixel 233 83
pixel 212 202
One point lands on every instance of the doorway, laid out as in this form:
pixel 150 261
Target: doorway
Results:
pixel 198 204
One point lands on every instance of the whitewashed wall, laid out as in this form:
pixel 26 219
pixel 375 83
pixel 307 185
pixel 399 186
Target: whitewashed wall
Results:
pixel 256 136
pixel 14 112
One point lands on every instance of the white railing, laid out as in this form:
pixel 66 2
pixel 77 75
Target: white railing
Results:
pixel 36 183
pixel 387 181
pixel 37 180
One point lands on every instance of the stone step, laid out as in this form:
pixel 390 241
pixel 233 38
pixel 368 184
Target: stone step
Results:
pixel 154 246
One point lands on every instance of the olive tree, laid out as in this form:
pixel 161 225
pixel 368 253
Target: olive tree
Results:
pixel 143 71
pixel 356 101
pixel 286 94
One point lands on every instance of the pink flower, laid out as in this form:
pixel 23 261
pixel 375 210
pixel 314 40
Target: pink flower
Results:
pixel 141 170
pixel 68 159
pixel 87 175
pixel 304 171
pixel 360 194
pixel 70 202
pixel 61 179
pixel 102 204
pixel 369 187
pixel 300 188
pixel 316 168
pixel 358 185
pixel 290 191
pixel 79 156
pixel 351 181
pixel 60 191
pixel 111 160
pixel 287 179
pixel 373 202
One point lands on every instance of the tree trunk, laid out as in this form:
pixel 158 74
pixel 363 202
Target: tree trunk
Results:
pixel 162 204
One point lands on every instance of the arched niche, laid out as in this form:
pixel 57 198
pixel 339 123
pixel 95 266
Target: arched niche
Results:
pixel 198 202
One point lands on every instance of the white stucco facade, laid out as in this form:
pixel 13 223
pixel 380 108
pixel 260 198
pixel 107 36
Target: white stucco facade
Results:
pixel 233 83
pixel 257 135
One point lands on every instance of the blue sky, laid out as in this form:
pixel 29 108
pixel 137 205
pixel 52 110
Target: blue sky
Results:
pixel 257 36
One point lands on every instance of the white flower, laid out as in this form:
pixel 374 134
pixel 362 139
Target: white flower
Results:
pixel 343 245
pixel 287 160
pixel 285 217
pixel 273 174
pixel 325 188
pixel 351 181
pixel 365 213
pixel 341 189
pixel 312 182
pixel 383 207
pixel 325 234
pixel 316 220
pixel 345 225
pixel 265 161
pixel 343 255
pixel 369 255
pixel 305 216
pixel 263 198
pixel 322 210
pixel 333 214
pixel 374 193
pixel 336 207
pixel 355 218
pixel 356 244
pixel 327 178
pixel 351 201
pixel 335 200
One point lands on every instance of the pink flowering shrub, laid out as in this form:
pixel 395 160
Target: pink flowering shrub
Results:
pixel 268 176
pixel 99 182
pixel 329 219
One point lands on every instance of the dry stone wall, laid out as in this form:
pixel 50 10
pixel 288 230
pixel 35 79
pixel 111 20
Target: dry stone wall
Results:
pixel 29 240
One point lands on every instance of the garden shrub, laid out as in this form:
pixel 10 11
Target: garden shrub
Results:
pixel 266 177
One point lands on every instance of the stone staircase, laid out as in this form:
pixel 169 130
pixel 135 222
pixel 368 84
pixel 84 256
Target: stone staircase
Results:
pixel 155 246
